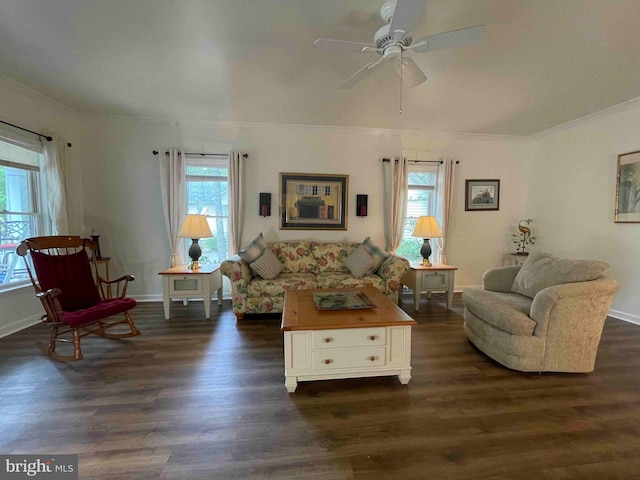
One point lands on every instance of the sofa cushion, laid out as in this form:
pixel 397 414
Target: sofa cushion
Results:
pixel 267 266
pixel 346 280
pixel 277 286
pixel 296 256
pixel 376 253
pixel 331 256
pixel 543 270
pixel 252 252
pixel 497 311
pixel 359 262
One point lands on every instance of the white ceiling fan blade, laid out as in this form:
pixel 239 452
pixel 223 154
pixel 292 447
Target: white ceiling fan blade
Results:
pixel 405 16
pixel 412 76
pixel 455 38
pixel 360 75
pixel 329 44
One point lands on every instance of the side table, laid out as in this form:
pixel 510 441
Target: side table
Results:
pixel 435 278
pixel 519 258
pixel 183 282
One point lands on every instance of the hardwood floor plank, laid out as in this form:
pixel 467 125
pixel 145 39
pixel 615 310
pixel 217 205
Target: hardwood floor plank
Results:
pixel 196 398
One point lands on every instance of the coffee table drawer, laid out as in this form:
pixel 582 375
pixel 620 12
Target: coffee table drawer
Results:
pixel 332 359
pixel 348 337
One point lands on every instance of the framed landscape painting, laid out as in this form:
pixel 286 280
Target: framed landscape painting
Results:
pixel 311 201
pixel 628 188
pixel 482 195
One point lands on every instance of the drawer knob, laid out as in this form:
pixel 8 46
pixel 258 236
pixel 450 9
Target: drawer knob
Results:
pixel 328 339
pixel 328 361
pixel 372 358
pixel 372 338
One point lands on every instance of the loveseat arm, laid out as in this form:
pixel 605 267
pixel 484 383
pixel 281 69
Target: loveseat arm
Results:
pixel 391 271
pixel 500 279
pixel 571 318
pixel 583 300
pixel 239 275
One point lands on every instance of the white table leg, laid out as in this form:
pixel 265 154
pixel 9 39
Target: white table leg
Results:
pixel 404 377
pixel 166 301
pixel 207 296
pixel 450 290
pixel 417 291
pixel 290 383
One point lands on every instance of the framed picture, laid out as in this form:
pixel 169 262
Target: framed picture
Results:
pixel 628 188
pixel 482 195
pixel 311 201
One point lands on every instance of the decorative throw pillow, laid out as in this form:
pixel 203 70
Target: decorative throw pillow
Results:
pixel 252 252
pixel 267 266
pixel 359 262
pixel 374 252
pixel 542 270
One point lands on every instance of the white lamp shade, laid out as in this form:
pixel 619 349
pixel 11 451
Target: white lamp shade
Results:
pixel 195 226
pixel 426 227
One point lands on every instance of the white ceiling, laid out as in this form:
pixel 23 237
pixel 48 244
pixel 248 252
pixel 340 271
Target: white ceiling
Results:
pixel 543 62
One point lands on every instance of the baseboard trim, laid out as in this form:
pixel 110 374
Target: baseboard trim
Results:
pixel 18 325
pixel 625 317
pixel 154 297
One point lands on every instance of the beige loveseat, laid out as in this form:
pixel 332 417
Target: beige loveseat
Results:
pixel 546 315
pixel 305 265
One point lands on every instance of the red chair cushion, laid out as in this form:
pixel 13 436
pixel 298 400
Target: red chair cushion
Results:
pixel 71 274
pixel 98 312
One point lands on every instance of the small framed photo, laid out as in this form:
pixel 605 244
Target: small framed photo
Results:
pixel 310 201
pixel 482 195
pixel 628 188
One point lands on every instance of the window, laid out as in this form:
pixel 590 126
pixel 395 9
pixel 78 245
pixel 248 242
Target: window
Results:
pixel 208 194
pixel 21 205
pixel 421 200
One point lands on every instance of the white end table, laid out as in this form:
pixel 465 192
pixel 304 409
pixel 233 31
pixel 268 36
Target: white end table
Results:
pixel 435 278
pixel 183 282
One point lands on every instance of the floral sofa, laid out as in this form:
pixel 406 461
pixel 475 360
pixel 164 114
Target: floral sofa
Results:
pixel 305 265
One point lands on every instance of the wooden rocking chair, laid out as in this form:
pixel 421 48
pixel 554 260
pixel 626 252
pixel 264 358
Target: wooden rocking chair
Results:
pixel 74 302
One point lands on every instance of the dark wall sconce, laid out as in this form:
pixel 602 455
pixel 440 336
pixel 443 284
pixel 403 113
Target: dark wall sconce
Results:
pixel 265 204
pixel 361 205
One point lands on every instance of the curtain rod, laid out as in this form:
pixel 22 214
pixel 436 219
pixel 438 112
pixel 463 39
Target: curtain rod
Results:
pixel 49 138
pixel 244 155
pixel 386 160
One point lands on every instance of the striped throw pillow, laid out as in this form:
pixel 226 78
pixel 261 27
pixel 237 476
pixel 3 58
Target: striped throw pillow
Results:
pixel 267 266
pixel 374 252
pixel 252 252
pixel 359 262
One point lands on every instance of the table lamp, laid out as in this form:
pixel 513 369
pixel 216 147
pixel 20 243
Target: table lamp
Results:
pixel 195 227
pixel 426 228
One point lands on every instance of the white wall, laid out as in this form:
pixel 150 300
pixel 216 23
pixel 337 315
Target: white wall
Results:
pixel 20 106
pixel 122 195
pixel 572 185
pixel 113 184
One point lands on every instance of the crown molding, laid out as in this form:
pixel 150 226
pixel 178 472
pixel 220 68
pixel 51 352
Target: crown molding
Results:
pixel 235 125
pixel 592 117
pixel 30 92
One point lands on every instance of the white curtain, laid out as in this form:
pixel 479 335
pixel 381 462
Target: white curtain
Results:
pixel 395 178
pixel 173 187
pixel 55 158
pixel 236 199
pixel 446 182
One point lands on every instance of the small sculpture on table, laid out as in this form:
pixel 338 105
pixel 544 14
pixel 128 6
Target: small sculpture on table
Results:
pixel 523 238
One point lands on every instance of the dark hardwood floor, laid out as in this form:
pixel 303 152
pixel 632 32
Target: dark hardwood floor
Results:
pixel 198 399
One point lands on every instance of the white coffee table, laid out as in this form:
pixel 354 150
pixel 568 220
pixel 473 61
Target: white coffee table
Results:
pixel 324 345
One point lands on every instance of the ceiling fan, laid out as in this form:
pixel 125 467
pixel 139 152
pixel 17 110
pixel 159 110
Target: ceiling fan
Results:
pixel 394 38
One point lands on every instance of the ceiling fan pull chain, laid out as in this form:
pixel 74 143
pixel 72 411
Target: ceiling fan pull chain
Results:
pixel 400 112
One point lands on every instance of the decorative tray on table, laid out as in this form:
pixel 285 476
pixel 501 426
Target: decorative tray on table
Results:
pixel 341 300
